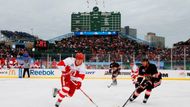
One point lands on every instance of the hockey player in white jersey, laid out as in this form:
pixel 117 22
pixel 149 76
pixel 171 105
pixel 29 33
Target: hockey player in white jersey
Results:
pixel 73 72
pixel 134 73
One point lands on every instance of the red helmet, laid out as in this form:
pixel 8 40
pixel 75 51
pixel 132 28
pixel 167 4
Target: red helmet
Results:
pixel 79 56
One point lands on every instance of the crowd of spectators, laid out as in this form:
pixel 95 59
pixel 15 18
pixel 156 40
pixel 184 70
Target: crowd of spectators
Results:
pixel 104 48
pixel 14 57
pixel 17 60
pixel 180 48
pixel 97 48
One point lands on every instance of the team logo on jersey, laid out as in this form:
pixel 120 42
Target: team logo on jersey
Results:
pixel 72 65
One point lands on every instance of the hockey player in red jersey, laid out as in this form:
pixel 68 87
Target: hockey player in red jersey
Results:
pixel 73 72
pixel 147 79
pixel 134 73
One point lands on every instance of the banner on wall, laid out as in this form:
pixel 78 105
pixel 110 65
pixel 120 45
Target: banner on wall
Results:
pixel 126 74
pixel 45 73
pixel 9 73
pixel 90 74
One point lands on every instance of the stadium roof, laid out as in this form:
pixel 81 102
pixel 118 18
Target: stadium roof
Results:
pixel 59 38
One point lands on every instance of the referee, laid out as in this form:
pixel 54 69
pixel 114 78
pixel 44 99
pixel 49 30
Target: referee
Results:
pixel 26 68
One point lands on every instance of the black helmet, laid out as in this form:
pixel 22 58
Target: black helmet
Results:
pixel 115 65
pixel 144 60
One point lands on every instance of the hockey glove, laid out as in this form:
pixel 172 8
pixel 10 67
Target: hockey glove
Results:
pixel 137 84
pixel 78 85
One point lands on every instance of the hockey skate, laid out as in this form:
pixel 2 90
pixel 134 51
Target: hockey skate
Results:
pixel 55 92
pixel 115 83
pixel 131 99
pixel 112 84
pixel 145 100
pixel 57 104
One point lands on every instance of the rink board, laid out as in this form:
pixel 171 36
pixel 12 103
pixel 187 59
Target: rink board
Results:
pixel 90 74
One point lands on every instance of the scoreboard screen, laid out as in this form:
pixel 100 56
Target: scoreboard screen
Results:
pixel 95 33
pixel 96 21
pixel 41 44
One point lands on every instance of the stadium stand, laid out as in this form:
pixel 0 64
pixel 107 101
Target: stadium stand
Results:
pixel 101 49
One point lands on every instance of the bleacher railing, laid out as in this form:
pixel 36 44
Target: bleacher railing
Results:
pixel 102 61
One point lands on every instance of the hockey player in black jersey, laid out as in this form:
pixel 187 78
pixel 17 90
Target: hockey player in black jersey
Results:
pixel 115 71
pixel 147 79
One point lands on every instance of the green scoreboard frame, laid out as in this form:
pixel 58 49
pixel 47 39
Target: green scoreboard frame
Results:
pixel 96 21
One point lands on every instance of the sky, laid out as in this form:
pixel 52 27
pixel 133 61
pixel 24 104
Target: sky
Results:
pixel 52 18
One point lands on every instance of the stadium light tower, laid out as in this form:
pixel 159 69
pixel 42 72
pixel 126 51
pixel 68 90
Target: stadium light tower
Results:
pixel 172 58
pixel 104 4
pixel 32 31
pixel 185 57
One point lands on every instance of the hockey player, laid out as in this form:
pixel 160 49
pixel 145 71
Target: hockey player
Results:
pixel 115 71
pixel 134 73
pixel 148 79
pixel 73 72
pixel 111 64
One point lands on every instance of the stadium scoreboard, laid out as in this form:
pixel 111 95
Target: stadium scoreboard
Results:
pixel 41 44
pixel 96 21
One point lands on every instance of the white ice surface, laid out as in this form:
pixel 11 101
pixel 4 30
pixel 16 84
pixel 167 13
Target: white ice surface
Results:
pixel 38 93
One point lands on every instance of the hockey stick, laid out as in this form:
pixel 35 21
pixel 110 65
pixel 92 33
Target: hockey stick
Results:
pixel 128 99
pixel 109 86
pixel 88 97
pixel 131 95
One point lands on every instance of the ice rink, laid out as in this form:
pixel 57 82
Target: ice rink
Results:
pixel 38 93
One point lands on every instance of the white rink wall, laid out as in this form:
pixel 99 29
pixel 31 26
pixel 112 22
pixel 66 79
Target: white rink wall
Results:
pixel 90 74
pixel 126 74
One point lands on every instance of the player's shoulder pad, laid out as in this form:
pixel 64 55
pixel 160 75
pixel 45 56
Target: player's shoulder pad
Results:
pixel 69 60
